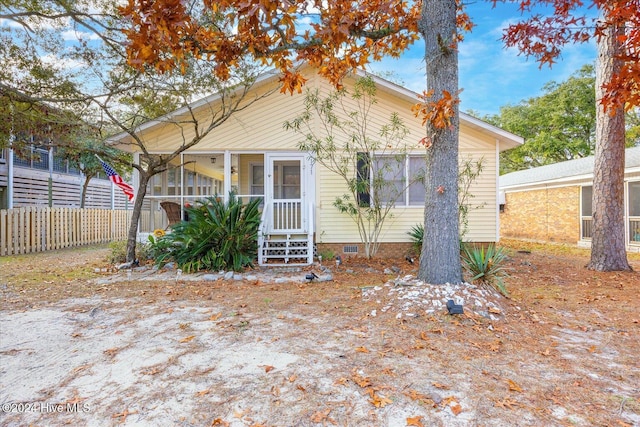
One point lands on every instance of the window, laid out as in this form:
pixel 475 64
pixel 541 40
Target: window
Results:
pixel 634 198
pixel 389 178
pixel 190 185
pixel 362 177
pixel 173 182
pixel 395 183
pixel 417 190
pixel 586 205
pixel 256 179
pixel 156 182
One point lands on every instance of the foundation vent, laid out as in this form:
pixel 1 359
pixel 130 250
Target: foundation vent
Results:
pixel 350 249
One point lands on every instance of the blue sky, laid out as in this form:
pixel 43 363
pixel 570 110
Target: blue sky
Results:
pixel 491 75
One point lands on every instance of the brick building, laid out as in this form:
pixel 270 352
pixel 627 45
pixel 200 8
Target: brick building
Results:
pixel 552 203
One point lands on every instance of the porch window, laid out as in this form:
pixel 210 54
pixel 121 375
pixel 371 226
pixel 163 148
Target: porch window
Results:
pixel 190 187
pixel 156 182
pixel 173 182
pixel 256 179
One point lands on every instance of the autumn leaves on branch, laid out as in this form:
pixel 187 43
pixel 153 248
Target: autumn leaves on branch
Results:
pixel 339 36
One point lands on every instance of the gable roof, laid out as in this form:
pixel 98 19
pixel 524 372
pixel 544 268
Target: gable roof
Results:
pixel 504 138
pixel 571 170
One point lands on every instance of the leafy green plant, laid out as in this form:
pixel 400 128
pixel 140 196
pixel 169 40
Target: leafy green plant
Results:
pixel 486 265
pixel 218 235
pixel 417 235
pixel 327 254
pixel 118 253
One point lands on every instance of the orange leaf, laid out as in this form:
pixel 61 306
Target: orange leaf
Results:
pixel 455 408
pixel 203 392
pixel 292 378
pixel 505 403
pixel 219 422
pixel 362 350
pixel 341 381
pixel 513 386
pixel 321 416
pixel 215 317
pixel 441 386
pixel 187 339
pixel 268 368
pixel 377 400
pixel 361 381
pixel 415 421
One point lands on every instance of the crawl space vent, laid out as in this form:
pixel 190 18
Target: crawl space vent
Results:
pixel 350 249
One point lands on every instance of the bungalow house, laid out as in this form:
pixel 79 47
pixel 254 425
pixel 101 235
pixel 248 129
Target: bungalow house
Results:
pixel 552 203
pixel 254 156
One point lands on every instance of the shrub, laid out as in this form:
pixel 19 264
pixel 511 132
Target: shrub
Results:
pixel 217 236
pixel 417 235
pixel 486 265
pixel 118 253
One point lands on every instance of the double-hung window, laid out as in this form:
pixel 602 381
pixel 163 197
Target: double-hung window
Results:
pixel 399 179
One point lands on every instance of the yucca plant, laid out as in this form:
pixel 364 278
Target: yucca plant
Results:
pixel 417 235
pixel 217 236
pixel 486 265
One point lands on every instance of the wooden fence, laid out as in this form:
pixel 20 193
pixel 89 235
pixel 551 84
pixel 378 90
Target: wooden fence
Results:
pixel 36 229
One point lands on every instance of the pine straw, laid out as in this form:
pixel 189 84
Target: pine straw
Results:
pixel 563 350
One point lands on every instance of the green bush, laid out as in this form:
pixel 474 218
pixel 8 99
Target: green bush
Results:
pixel 217 236
pixel 417 235
pixel 118 253
pixel 487 266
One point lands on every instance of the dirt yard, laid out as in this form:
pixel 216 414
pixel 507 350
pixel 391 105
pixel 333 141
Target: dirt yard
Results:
pixel 372 347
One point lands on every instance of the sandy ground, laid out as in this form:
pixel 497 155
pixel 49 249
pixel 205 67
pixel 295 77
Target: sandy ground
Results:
pixel 368 348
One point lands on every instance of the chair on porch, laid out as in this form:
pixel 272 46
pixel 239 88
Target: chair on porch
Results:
pixel 173 212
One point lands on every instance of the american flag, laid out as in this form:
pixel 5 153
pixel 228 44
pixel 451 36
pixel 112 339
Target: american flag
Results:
pixel 117 180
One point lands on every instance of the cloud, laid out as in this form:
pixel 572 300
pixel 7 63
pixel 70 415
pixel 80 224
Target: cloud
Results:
pixel 72 35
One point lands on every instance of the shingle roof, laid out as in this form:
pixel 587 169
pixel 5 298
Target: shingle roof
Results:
pixel 556 171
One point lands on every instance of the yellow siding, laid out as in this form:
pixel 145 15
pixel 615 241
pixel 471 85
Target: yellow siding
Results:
pixel 334 227
pixel 260 128
pixel 244 161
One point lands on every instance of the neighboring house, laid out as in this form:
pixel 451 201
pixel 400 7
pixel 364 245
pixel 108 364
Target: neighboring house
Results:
pixel 254 156
pixel 552 203
pixel 44 179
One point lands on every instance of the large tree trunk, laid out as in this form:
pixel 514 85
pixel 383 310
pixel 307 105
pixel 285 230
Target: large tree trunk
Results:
pixel 608 241
pixel 440 257
pixel 135 216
